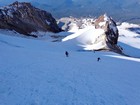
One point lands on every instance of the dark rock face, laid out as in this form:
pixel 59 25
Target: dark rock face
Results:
pixel 24 18
pixel 111 32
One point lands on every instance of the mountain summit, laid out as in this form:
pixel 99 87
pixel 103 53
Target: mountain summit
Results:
pixel 25 19
pixel 110 34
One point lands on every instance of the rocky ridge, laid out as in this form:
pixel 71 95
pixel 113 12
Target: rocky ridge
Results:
pixel 25 19
pixel 111 32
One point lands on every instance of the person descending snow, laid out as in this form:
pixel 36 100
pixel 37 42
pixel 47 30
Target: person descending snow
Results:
pixel 98 59
pixel 67 54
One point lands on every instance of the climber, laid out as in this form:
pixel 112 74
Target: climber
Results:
pixel 98 59
pixel 67 54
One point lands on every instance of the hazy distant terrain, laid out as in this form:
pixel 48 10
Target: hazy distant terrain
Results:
pixel 121 10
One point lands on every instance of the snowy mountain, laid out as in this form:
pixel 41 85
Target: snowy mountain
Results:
pixel 129 8
pixel 87 35
pixel 37 72
pixel 102 35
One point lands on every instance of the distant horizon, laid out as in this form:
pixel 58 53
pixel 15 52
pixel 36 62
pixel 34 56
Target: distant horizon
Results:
pixel 119 10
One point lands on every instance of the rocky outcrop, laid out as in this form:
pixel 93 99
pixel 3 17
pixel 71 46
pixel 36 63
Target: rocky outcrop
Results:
pixel 111 32
pixel 25 19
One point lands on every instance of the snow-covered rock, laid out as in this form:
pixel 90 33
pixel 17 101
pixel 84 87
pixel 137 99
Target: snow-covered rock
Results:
pixel 73 24
pixel 25 19
pixel 110 34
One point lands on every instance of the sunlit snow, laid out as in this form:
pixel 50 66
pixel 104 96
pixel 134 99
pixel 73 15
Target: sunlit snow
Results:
pixel 37 72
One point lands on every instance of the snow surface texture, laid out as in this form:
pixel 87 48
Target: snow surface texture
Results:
pixel 36 72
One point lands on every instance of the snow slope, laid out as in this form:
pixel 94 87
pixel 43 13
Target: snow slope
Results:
pixel 37 72
pixel 86 38
pixel 129 39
